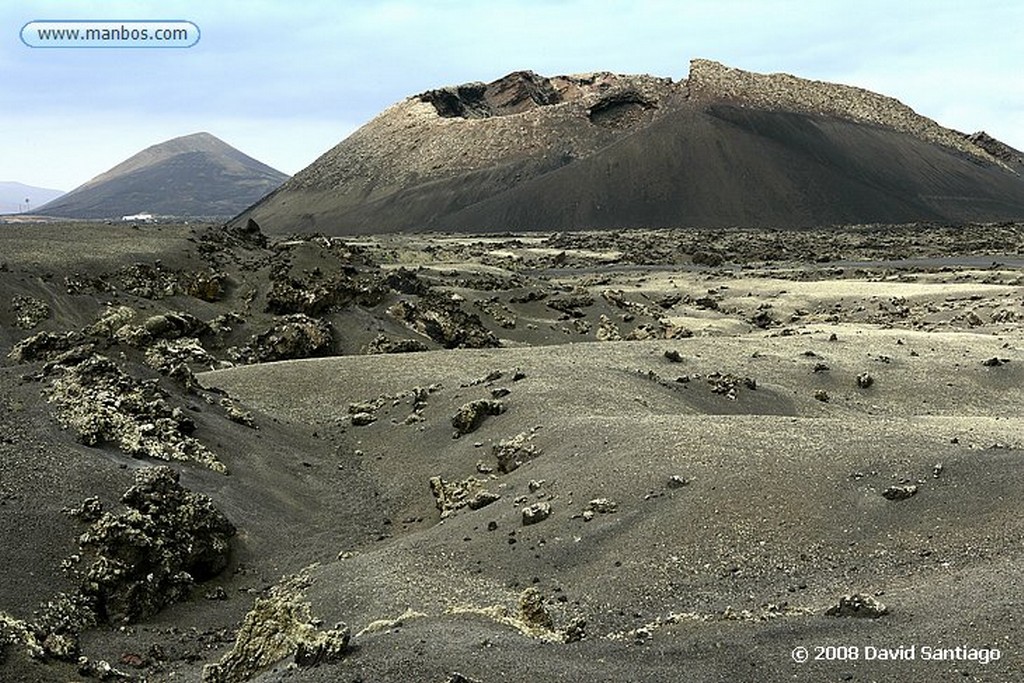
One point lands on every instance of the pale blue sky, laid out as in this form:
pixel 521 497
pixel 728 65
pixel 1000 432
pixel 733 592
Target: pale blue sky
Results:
pixel 285 81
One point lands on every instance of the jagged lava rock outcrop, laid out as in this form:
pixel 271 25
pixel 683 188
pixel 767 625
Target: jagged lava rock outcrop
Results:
pixel 600 150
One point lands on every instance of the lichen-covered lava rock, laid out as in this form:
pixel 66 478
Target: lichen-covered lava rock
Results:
pixel 29 311
pixel 857 605
pixel 279 625
pixel 443 320
pixel 293 336
pixel 152 554
pixel 471 415
pixel 450 496
pixel 101 403
pixel 511 453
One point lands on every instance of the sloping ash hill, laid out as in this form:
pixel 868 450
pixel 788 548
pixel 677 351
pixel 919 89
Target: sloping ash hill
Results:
pixel 599 150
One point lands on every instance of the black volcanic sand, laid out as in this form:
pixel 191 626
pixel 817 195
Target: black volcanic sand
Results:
pixel 737 475
pixel 731 166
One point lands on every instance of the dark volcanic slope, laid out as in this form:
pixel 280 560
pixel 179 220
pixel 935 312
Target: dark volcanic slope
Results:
pixel 193 175
pixel 724 147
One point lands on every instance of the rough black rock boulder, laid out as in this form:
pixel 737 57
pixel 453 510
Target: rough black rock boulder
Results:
pixel 152 554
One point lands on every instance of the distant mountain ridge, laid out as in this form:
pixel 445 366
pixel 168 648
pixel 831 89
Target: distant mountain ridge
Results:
pixel 194 175
pixel 600 151
pixel 13 195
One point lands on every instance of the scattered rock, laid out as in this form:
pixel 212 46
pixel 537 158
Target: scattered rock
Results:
pixel 90 510
pixel 371 406
pixel 383 344
pixel 707 258
pixel 492 376
pixel 603 506
pixel 44 346
pixel 865 380
pixel 499 312
pixel 323 647
pixel 224 323
pixel 17 633
pixel 174 326
pixel 149 281
pixel 1005 315
pixel 134 660
pixel 456 677
pixel 575 631
pixel 54 631
pixel 28 311
pixel 535 513
pixel 451 496
pixel 315 294
pixel 363 419
pixel 669 301
pixel 662 330
pixel 530 617
pixel 236 414
pixel 673 356
pixel 208 286
pixel 857 605
pixel 821 395
pixel 570 304
pixel 607 330
pixel 251 233
pixel 974 320
pixel 763 319
pixel 531 611
pixel 101 670
pixel 677 482
pixel 112 319
pixel 217 593
pixel 727 384
pixel 482 499
pixel 995 362
pixel 177 357
pixel 706 303
pixel 529 296
pixel 405 281
pixel 471 415
pixel 511 453
pixel 900 492
pixel 440 318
